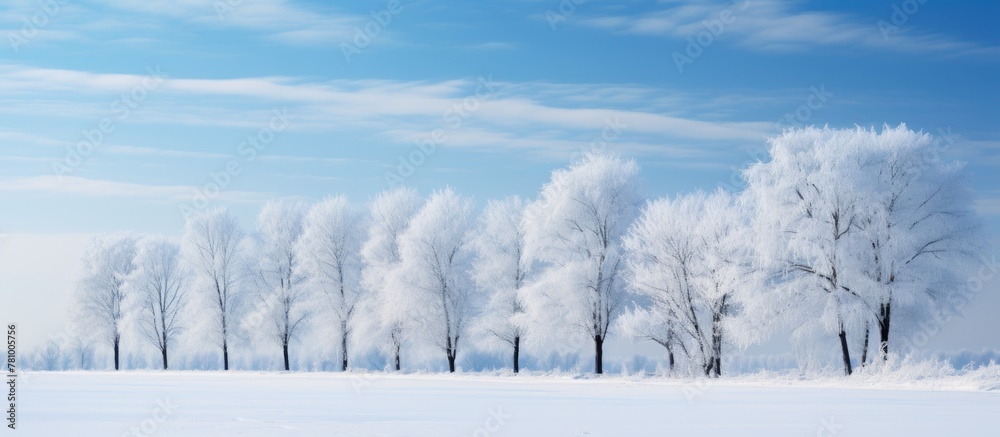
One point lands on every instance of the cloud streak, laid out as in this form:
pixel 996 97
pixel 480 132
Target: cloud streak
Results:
pixel 777 26
pixel 79 186
pixel 379 106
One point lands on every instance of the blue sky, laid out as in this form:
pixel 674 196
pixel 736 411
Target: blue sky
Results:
pixel 560 75
pixel 563 73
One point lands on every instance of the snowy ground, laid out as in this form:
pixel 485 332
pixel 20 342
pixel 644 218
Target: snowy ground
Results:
pixel 330 404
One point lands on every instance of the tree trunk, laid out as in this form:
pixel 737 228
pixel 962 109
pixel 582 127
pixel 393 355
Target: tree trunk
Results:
pixel 883 330
pixel 284 350
pixel 517 350
pixel 864 349
pixel 164 350
pixel 225 355
pixel 716 346
pixel 670 357
pixel 398 367
pixel 846 351
pixel 717 316
pixel 343 346
pixel 452 352
pixel 598 354
pixel 115 346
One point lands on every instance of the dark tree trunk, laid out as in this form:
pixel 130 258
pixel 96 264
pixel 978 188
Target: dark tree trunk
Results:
pixel 452 351
pixel 517 350
pixel 164 350
pixel 284 350
pixel 716 359
pixel 670 358
pixel 864 349
pixel 115 346
pixel 883 329
pixel 225 355
pixel 598 354
pixel 398 367
pixel 846 352
pixel 343 346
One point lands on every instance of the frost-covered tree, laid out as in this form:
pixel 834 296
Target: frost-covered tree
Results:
pixel 282 306
pixel 158 292
pixel 689 258
pixel 575 227
pixel 435 263
pixel 860 227
pixel 811 199
pixel 501 268
pixel 387 317
pixel 656 326
pixel 212 247
pixel 101 290
pixel 330 253
pixel 919 225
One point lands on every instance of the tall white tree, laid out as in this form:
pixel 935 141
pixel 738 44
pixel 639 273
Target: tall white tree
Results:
pixel 435 262
pixel 811 201
pixel 101 290
pixel 689 258
pixel 212 245
pixel 157 292
pixel 387 316
pixel 576 226
pixel 920 227
pixel 501 268
pixel 282 306
pixel 870 221
pixel 330 249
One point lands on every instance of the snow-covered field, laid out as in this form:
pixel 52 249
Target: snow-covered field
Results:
pixel 329 404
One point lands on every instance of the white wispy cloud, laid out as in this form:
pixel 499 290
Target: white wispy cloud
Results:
pixel 79 186
pixel 566 110
pixel 104 21
pixel 496 45
pixel 153 151
pixel 773 25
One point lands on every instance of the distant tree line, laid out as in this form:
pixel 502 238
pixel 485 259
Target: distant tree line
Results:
pixel 853 237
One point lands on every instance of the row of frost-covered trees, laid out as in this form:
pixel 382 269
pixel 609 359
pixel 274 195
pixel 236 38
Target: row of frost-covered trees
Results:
pixel 852 238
